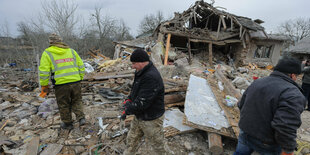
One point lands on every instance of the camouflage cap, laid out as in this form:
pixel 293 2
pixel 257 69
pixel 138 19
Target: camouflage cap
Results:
pixel 54 38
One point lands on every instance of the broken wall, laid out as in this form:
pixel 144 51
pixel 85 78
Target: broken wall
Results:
pixel 275 52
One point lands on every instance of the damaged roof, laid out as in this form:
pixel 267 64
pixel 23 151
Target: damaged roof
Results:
pixel 201 11
pixel 140 42
pixel 301 47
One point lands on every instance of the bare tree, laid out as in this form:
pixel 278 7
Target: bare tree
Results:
pixel 60 16
pixel 122 32
pixel 150 22
pixel 108 30
pixel 5 29
pixel 105 25
pixel 296 29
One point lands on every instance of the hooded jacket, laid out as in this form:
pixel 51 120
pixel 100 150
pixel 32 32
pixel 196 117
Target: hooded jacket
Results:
pixel 270 110
pixel 147 94
pixel 63 64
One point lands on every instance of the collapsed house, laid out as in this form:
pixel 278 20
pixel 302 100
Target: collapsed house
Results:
pixel 300 50
pixel 208 31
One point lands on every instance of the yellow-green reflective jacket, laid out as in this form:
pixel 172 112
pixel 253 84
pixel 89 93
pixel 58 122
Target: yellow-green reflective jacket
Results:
pixel 64 63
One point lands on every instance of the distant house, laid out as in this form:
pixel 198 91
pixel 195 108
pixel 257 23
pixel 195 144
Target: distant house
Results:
pixel 301 49
pixel 205 29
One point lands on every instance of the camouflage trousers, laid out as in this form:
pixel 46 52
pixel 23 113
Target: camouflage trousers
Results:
pixel 153 132
pixel 69 99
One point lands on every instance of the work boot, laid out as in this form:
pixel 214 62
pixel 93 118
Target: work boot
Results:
pixel 67 126
pixel 82 121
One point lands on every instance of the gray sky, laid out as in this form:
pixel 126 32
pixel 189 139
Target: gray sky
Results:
pixel 273 12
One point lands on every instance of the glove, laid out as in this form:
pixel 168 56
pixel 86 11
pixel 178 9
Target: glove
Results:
pixel 125 109
pixel 123 116
pixel 284 153
pixel 44 91
pixel 126 101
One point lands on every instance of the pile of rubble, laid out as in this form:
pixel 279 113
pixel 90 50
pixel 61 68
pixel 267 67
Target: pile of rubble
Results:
pixel 30 124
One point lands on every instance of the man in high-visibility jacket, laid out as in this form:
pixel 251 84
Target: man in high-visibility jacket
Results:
pixel 65 68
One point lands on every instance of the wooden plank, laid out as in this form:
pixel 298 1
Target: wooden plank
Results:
pixel 32 146
pixel 210 54
pixel 215 143
pixel 176 89
pixel 242 34
pixel 184 34
pixel 93 55
pixel 167 49
pixel 105 76
pixel 231 24
pixel 265 34
pixel 243 43
pixel 174 98
pixel 231 113
pixel 174 104
pixel 229 88
pixel 4 124
pixel 189 51
pixel 52 149
pixel 228 132
pixel 104 57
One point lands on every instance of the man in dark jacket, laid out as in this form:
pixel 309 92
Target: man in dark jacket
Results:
pixel 306 80
pixel 270 112
pixel 146 102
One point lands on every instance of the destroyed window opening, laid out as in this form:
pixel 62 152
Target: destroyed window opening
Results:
pixel 263 51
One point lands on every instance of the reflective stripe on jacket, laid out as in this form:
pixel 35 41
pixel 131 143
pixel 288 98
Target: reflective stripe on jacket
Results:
pixel 65 63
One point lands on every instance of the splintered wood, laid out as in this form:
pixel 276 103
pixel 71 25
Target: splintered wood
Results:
pixel 171 131
pixel 231 113
pixel 223 131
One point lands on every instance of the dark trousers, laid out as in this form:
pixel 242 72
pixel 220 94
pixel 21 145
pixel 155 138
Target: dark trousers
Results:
pixel 306 88
pixel 69 99
pixel 247 145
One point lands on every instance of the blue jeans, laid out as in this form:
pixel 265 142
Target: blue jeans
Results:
pixel 247 145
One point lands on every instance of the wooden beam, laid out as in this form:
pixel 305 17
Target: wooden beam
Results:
pixel 189 51
pixel 243 43
pixel 231 24
pixel 215 143
pixel 230 112
pixel 207 41
pixel 104 57
pixel 210 54
pixel 167 49
pixel 242 36
pixel 174 98
pixel 93 55
pixel 240 33
pixel 218 28
pixel 228 87
pixel 4 124
pixel 223 21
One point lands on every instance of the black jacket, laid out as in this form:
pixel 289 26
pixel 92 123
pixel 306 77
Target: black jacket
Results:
pixel 270 110
pixel 147 94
